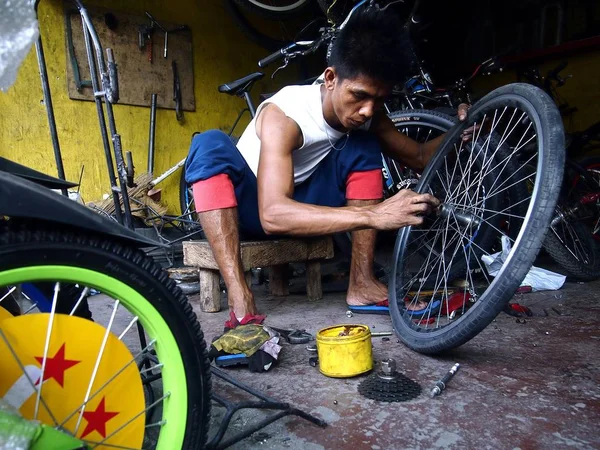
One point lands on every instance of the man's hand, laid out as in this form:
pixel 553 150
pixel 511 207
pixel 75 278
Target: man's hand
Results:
pixel 403 209
pixel 467 134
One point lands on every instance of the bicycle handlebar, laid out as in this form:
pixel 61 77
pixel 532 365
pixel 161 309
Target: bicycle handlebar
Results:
pixel 276 56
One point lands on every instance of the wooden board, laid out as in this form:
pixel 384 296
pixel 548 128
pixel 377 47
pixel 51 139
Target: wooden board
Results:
pixel 261 253
pixel 138 78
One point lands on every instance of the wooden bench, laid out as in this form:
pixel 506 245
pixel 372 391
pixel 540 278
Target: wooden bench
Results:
pixel 272 254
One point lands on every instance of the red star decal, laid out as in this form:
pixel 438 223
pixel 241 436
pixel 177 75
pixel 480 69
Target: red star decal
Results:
pixel 96 420
pixel 57 365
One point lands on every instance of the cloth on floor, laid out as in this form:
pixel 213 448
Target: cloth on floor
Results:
pixel 247 339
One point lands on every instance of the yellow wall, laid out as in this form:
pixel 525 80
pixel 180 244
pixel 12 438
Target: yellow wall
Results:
pixel 221 54
pixel 581 91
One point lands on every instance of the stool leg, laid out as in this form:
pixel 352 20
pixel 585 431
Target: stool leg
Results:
pixel 210 294
pixel 278 281
pixel 314 289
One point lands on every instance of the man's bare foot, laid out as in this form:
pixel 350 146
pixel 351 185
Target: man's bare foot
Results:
pixel 370 292
pixel 242 304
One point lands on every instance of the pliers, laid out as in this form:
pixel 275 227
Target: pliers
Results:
pixel 294 336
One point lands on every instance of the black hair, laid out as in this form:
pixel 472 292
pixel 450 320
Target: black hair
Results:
pixel 373 43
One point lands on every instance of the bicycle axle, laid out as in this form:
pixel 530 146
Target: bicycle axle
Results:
pixel 463 217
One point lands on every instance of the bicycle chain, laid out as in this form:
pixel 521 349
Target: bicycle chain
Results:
pixel 398 388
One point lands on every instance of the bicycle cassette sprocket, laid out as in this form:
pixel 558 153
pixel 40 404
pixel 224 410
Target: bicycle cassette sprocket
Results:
pixel 387 385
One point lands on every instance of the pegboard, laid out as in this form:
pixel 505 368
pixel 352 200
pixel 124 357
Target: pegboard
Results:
pixel 138 77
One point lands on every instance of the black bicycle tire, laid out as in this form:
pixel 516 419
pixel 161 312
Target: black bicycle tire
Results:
pixel 251 32
pixel 577 270
pixel 25 243
pixel 494 299
pixel 343 241
pixel 274 15
pixel 589 163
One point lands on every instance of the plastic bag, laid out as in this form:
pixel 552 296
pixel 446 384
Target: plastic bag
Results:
pixel 539 279
pixel 18 31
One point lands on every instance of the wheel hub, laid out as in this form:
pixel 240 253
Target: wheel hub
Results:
pixel 463 217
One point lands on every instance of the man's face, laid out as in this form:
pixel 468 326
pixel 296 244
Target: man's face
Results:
pixel 356 100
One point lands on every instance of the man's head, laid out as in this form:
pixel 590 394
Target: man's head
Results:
pixel 368 56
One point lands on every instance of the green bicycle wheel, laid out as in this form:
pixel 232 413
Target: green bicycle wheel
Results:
pixel 173 364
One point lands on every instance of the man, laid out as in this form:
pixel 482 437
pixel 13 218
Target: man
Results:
pixel 309 164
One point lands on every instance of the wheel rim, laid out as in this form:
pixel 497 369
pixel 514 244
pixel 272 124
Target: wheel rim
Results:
pixel 293 4
pixel 401 177
pixel 450 301
pixel 568 236
pixel 172 372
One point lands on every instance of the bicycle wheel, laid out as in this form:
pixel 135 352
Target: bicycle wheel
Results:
pixel 588 187
pixel 466 177
pixel 421 126
pixel 273 33
pixel 170 366
pixel 274 9
pixel 191 222
pixel 570 241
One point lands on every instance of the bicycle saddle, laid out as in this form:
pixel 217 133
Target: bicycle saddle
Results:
pixel 238 87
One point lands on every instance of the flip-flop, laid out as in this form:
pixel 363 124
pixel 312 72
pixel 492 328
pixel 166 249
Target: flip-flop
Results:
pixel 384 308
pixel 431 309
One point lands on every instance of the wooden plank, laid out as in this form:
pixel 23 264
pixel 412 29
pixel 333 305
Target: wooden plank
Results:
pixel 198 254
pixel 138 78
pixel 210 294
pixel 261 253
pixel 278 280
pixel 314 288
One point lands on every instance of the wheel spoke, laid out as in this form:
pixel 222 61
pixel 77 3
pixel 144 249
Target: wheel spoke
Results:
pixel 32 383
pixel 149 407
pixel 83 295
pixel 110 380
pixel 46 348
pixel 97 364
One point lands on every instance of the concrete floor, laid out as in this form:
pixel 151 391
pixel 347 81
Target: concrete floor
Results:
pixel 533 385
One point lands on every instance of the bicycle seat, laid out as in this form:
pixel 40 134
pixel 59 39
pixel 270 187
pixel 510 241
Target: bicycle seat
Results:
pixel 238 87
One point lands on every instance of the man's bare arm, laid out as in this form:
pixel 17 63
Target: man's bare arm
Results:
pixel 400 147
pixel 280 214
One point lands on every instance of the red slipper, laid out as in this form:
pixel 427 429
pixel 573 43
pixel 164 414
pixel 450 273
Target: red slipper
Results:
pixel 248 319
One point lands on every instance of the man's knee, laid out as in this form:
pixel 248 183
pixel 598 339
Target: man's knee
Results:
pixel 364 185
pixel 212 153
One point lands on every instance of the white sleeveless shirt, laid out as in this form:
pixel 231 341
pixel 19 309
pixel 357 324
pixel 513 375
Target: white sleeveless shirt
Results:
pixel 303 105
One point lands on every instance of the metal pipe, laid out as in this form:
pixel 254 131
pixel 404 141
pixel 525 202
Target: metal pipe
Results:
pixel 250 103
pixel 103 131
pixel 50 110
pixel 107 93
pixel 152 134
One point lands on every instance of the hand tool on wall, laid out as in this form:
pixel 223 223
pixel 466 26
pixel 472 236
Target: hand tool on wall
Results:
pixel 177 93
pixel 166 32
pixel 79 83
pixel 174 30
pixel 145 33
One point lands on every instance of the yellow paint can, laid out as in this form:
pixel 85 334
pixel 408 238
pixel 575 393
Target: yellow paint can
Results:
pixel 344 350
